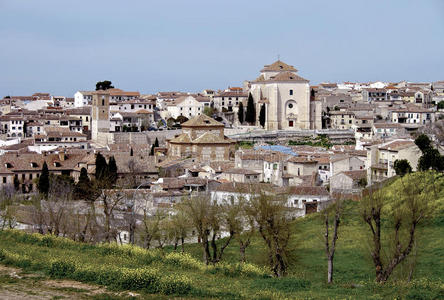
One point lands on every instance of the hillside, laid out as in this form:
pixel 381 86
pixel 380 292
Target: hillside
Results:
pixel 152 272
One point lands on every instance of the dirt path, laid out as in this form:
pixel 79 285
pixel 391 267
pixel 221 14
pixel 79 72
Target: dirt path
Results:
pixel 16 285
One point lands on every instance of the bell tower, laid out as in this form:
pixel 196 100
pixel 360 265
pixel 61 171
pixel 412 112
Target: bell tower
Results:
pixel 100 116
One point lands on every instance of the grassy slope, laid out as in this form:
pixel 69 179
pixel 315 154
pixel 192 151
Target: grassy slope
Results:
pixel 354 273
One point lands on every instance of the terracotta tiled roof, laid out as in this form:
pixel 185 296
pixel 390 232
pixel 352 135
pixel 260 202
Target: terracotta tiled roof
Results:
pixel 210 138
pixel 245 187
pixel 202 121
pixel 356 175
pixel 278 66
pixel 241 171
pixel 397 145
pixel 306 190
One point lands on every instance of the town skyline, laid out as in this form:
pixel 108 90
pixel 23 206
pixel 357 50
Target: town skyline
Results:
pixel 177 47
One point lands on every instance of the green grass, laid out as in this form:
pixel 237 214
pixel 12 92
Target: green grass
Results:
pixel 154 273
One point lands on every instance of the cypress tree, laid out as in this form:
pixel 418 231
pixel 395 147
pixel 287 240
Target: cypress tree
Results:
pixel 83 186
pixel 101 167
pixel 251 111
pixel 240 113
pixel 43 185
pixel 262 116
pixel 156 144
pixel 131 152
pixel 112 170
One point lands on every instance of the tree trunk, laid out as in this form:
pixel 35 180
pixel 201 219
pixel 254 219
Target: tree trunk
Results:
pixel 330 270
pixel 182 244
pixel 242 253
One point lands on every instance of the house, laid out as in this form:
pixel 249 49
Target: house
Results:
pixel 241 175
pixel 374 94
pixel 385 130
pixel 230 99
pixel 412 116
pixel 188 106
pixel 341 119
pixel 83 98
pixel 59 137
pixel 347 181
pixel 381 158
pixel 345 162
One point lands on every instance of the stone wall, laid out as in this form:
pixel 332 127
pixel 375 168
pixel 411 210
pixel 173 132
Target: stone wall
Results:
pixel 144 137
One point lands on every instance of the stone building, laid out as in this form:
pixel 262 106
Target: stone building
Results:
pixel 202 137
pixel 287 98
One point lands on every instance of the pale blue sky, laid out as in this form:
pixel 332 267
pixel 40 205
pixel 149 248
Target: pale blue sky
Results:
pixel 61 46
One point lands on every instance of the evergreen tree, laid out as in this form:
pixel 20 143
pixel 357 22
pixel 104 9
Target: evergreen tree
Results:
pixel 104 85
pixel 402 167
pixel 423 142
pixel 251 111
pixel 16 183
pixel 262 116
pixel 240 113
pixel 131 152
pixel 101 167
pixel 43 184
pixel 82 189
pixel 156 144
pixel 112 170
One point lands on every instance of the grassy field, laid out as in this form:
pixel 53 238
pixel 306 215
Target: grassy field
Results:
pixel 153 273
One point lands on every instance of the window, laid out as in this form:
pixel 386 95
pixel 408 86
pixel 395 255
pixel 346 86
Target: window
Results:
pixel 290 123
pixel 4 179
pixel 290 105
pixel 291 92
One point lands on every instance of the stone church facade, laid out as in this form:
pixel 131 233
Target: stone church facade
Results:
pixel 288 101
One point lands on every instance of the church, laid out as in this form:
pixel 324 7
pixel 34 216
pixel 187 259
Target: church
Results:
pixel 288 102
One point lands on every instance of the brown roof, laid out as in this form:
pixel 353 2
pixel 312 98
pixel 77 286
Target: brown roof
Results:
pixel 306 190
pixel 241 171
pixel 387 125
pixel 278 66
pixel 356 175
pixel 397 145
pixel 237 187
pixel 202 121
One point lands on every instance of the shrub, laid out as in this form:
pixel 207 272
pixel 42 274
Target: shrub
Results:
pixel 138 279
pixel 175 284
pixel 61 269
pixel 182 260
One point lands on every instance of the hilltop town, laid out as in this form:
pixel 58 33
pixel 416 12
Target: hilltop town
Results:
pixel 176 168
pixel 276 129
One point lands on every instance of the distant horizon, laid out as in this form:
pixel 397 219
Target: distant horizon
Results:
pixel 200 91
pixel 60 48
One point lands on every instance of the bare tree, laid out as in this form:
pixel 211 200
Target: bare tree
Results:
pixel 151 225
pixel 330 246
pixel 405 205
pixel 109 200
pixel 8 201
pixel 57 202
pixel 180 227
pixel 272 216
pixel 210 220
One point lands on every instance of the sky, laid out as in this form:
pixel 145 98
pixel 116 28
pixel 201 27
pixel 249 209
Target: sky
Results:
pixel 148 46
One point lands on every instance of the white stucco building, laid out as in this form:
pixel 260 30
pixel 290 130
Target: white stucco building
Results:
pixel 287 99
